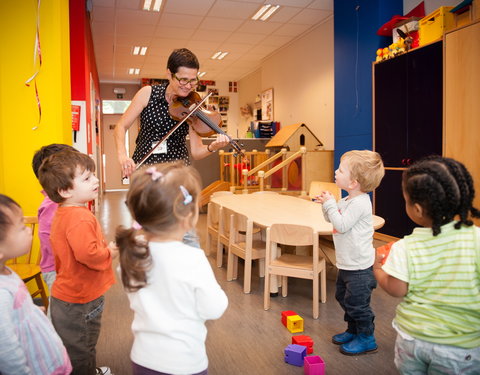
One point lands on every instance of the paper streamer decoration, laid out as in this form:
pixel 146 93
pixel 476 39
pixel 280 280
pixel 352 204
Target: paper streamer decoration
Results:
pixel 37 52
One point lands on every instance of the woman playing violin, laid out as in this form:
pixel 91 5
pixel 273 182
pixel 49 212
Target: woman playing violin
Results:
pixel 151 103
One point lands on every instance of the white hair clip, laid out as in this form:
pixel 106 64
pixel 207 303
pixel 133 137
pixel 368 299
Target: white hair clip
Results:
pixel 188 197
pixel 155 174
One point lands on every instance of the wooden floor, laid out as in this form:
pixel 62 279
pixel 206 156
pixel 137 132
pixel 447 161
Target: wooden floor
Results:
pixel 247 339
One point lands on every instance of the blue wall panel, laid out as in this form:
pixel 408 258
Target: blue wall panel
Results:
pixel 356 41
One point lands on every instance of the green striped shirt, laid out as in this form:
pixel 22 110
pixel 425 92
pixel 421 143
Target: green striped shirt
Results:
pixel 443 300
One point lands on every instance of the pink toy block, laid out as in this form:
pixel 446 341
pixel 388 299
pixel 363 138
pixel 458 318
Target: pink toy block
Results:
pixel 295 323
pixel 305 341
pixel 313 365
pixel 294 354
pixel 285 314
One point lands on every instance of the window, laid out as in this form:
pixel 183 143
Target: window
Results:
pixel 114 107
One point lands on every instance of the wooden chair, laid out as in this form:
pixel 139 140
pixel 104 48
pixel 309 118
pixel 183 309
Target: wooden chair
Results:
pixel 213 218
pixel 265 192
pixel 243 245
pixel 291 265
pixel 223 233
pixel 316 188
pixel 28 266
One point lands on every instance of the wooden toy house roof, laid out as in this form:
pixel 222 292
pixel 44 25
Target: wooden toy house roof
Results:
pixel 282 138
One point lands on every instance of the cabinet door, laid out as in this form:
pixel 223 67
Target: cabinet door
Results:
pixel 390 205
pixel 390 100
pixel 424 101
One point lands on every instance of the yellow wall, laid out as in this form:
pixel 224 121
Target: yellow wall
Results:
pixel 18 105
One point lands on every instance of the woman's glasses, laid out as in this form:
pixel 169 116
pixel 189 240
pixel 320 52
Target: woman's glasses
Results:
pixel 185 81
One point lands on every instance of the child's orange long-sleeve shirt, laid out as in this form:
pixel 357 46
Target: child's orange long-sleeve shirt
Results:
pixel 82 259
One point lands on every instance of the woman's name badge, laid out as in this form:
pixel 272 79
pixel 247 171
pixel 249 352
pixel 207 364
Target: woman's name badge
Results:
pixel 161 149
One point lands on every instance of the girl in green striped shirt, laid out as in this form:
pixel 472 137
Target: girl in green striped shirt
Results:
pixel 437 271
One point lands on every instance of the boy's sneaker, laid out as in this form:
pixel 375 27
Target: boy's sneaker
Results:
pixel 103 371
pixel 343 338
pixel 361 344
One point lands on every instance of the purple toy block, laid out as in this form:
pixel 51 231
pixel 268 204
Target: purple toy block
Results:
pixel 313 365
pixel 294 354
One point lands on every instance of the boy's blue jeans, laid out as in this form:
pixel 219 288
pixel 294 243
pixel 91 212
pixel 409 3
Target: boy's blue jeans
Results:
pixel 354 291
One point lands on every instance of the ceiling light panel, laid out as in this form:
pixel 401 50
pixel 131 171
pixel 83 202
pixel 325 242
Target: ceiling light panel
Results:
pixel 260 12
pixel 269 12
pixel 157 5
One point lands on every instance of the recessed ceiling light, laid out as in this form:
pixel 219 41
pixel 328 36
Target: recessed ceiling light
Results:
pixel 200 75
pixel 259 13
pixel 216 54
pixel 269 12
pixel 134 71
pixel 156 5
pixel 137 50
pixel 222 55
pixel 146 4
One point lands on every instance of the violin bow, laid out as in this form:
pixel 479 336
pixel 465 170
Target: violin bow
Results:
pixel 166 136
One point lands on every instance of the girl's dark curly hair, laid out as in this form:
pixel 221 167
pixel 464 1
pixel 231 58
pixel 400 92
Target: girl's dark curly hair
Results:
pixel 444 188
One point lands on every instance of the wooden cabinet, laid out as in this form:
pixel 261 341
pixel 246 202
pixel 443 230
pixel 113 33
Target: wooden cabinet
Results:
pixel 408 102
pixel 462 100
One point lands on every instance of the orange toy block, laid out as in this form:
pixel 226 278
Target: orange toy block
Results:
pixel 295 323
pixel 384 250
pixel 304 341
pixel 285 314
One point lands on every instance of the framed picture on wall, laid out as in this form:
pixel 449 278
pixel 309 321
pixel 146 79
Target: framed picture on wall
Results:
pixel 267 105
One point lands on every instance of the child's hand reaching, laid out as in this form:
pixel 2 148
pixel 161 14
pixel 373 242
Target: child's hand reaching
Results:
pixel 379 260
pixel 112 247
pixel 322 198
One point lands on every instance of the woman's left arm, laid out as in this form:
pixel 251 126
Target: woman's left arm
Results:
pixel 200 151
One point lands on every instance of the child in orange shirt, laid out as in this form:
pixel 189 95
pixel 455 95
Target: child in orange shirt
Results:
pixel 83 260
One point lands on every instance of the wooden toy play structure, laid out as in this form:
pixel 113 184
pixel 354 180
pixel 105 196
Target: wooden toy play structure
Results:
pixel 291 161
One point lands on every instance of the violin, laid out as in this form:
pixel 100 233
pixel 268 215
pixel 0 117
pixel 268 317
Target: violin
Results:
pixel 189 109
pixel 203 121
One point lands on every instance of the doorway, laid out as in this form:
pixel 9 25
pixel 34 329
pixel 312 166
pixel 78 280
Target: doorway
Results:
pixel 112 170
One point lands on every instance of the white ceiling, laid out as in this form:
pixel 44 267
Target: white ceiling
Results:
pixel 203 26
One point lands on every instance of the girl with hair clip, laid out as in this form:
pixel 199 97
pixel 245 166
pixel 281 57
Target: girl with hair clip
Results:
pixel 437 271
pixel 170 285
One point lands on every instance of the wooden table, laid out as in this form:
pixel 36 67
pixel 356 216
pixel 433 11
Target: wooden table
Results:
pixel 267 209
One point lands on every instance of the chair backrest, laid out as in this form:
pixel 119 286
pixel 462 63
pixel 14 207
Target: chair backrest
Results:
pixel 213 214
pixel 34 255
pixel 226 220
pixel 293 235
pixel 316 188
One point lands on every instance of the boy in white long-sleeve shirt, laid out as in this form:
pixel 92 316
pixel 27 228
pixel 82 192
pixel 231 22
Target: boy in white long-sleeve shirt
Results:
pixel 359 173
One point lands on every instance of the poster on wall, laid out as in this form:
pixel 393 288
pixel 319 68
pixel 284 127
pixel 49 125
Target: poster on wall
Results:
pixel 223 103
pixel 267 105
